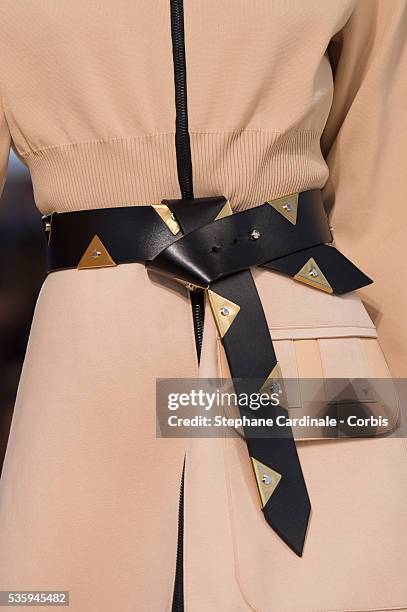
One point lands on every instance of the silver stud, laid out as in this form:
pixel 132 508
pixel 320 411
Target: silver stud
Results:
pixel 96 254
pixel 287 206
pixel 255 234
pixel 225 311
pixel 272 387
pixel 313 272
pixel 275 387
pixel 267 479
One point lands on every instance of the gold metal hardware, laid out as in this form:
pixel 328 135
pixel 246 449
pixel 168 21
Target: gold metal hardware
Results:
pixel 224 311
pixel 286 206
pixel 267 480
pixel 226 211
pixel 168 217
pixel 96 256
pixel 311 274
pixel 189 286
pixel 274 384
pixel 48 227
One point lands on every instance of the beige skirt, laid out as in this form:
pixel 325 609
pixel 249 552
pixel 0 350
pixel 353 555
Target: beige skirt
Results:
pixel 89 495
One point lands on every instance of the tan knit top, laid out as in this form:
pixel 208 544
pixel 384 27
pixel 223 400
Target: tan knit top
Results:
pixel 87 102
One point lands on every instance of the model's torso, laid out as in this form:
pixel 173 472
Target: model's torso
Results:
pixel 88 96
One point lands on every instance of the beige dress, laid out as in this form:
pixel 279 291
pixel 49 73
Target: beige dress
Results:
pixel 89 495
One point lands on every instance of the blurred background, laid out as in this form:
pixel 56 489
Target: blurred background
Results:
pixel 22 270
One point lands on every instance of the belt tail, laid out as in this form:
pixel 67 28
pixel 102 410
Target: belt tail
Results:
pixel 322 267
pixel 239 315
pixel 283 492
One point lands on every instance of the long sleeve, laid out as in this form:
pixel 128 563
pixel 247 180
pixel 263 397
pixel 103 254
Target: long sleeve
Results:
pixel 365 145
pixel 5 142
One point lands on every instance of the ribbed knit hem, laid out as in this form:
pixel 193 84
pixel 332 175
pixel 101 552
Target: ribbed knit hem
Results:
pixel 248 167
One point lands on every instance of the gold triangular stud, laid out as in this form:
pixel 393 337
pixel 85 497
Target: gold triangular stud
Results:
pixel 267 480
pixel 224 311
pixel 286 206
pixel 168 217
pixel 96 256
pixel 226 211
pixel 274 384
pixel 311 274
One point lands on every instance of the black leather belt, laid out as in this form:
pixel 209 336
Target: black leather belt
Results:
pixel 199 242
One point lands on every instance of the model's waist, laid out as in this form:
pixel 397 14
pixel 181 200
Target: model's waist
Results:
pixel 111 235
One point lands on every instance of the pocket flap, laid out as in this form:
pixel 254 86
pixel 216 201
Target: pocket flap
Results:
pixel 340 377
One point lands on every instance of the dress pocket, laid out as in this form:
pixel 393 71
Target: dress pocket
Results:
pixel 341 376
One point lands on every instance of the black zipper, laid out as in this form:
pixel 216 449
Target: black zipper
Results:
pixel 185 180
pixel 198 314
pixel 183 145
pixel 182 142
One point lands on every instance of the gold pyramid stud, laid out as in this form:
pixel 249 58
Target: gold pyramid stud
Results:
pixel 286 206
pixel 274 385
pixel 311 274
pixel 168 217
pixel 224 311
pixel 267 480
pixel 96 256
pixel 226 211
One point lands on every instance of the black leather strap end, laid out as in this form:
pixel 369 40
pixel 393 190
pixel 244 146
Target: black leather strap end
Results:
pixel 341 274
pixel 289 508
pixel 251 359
